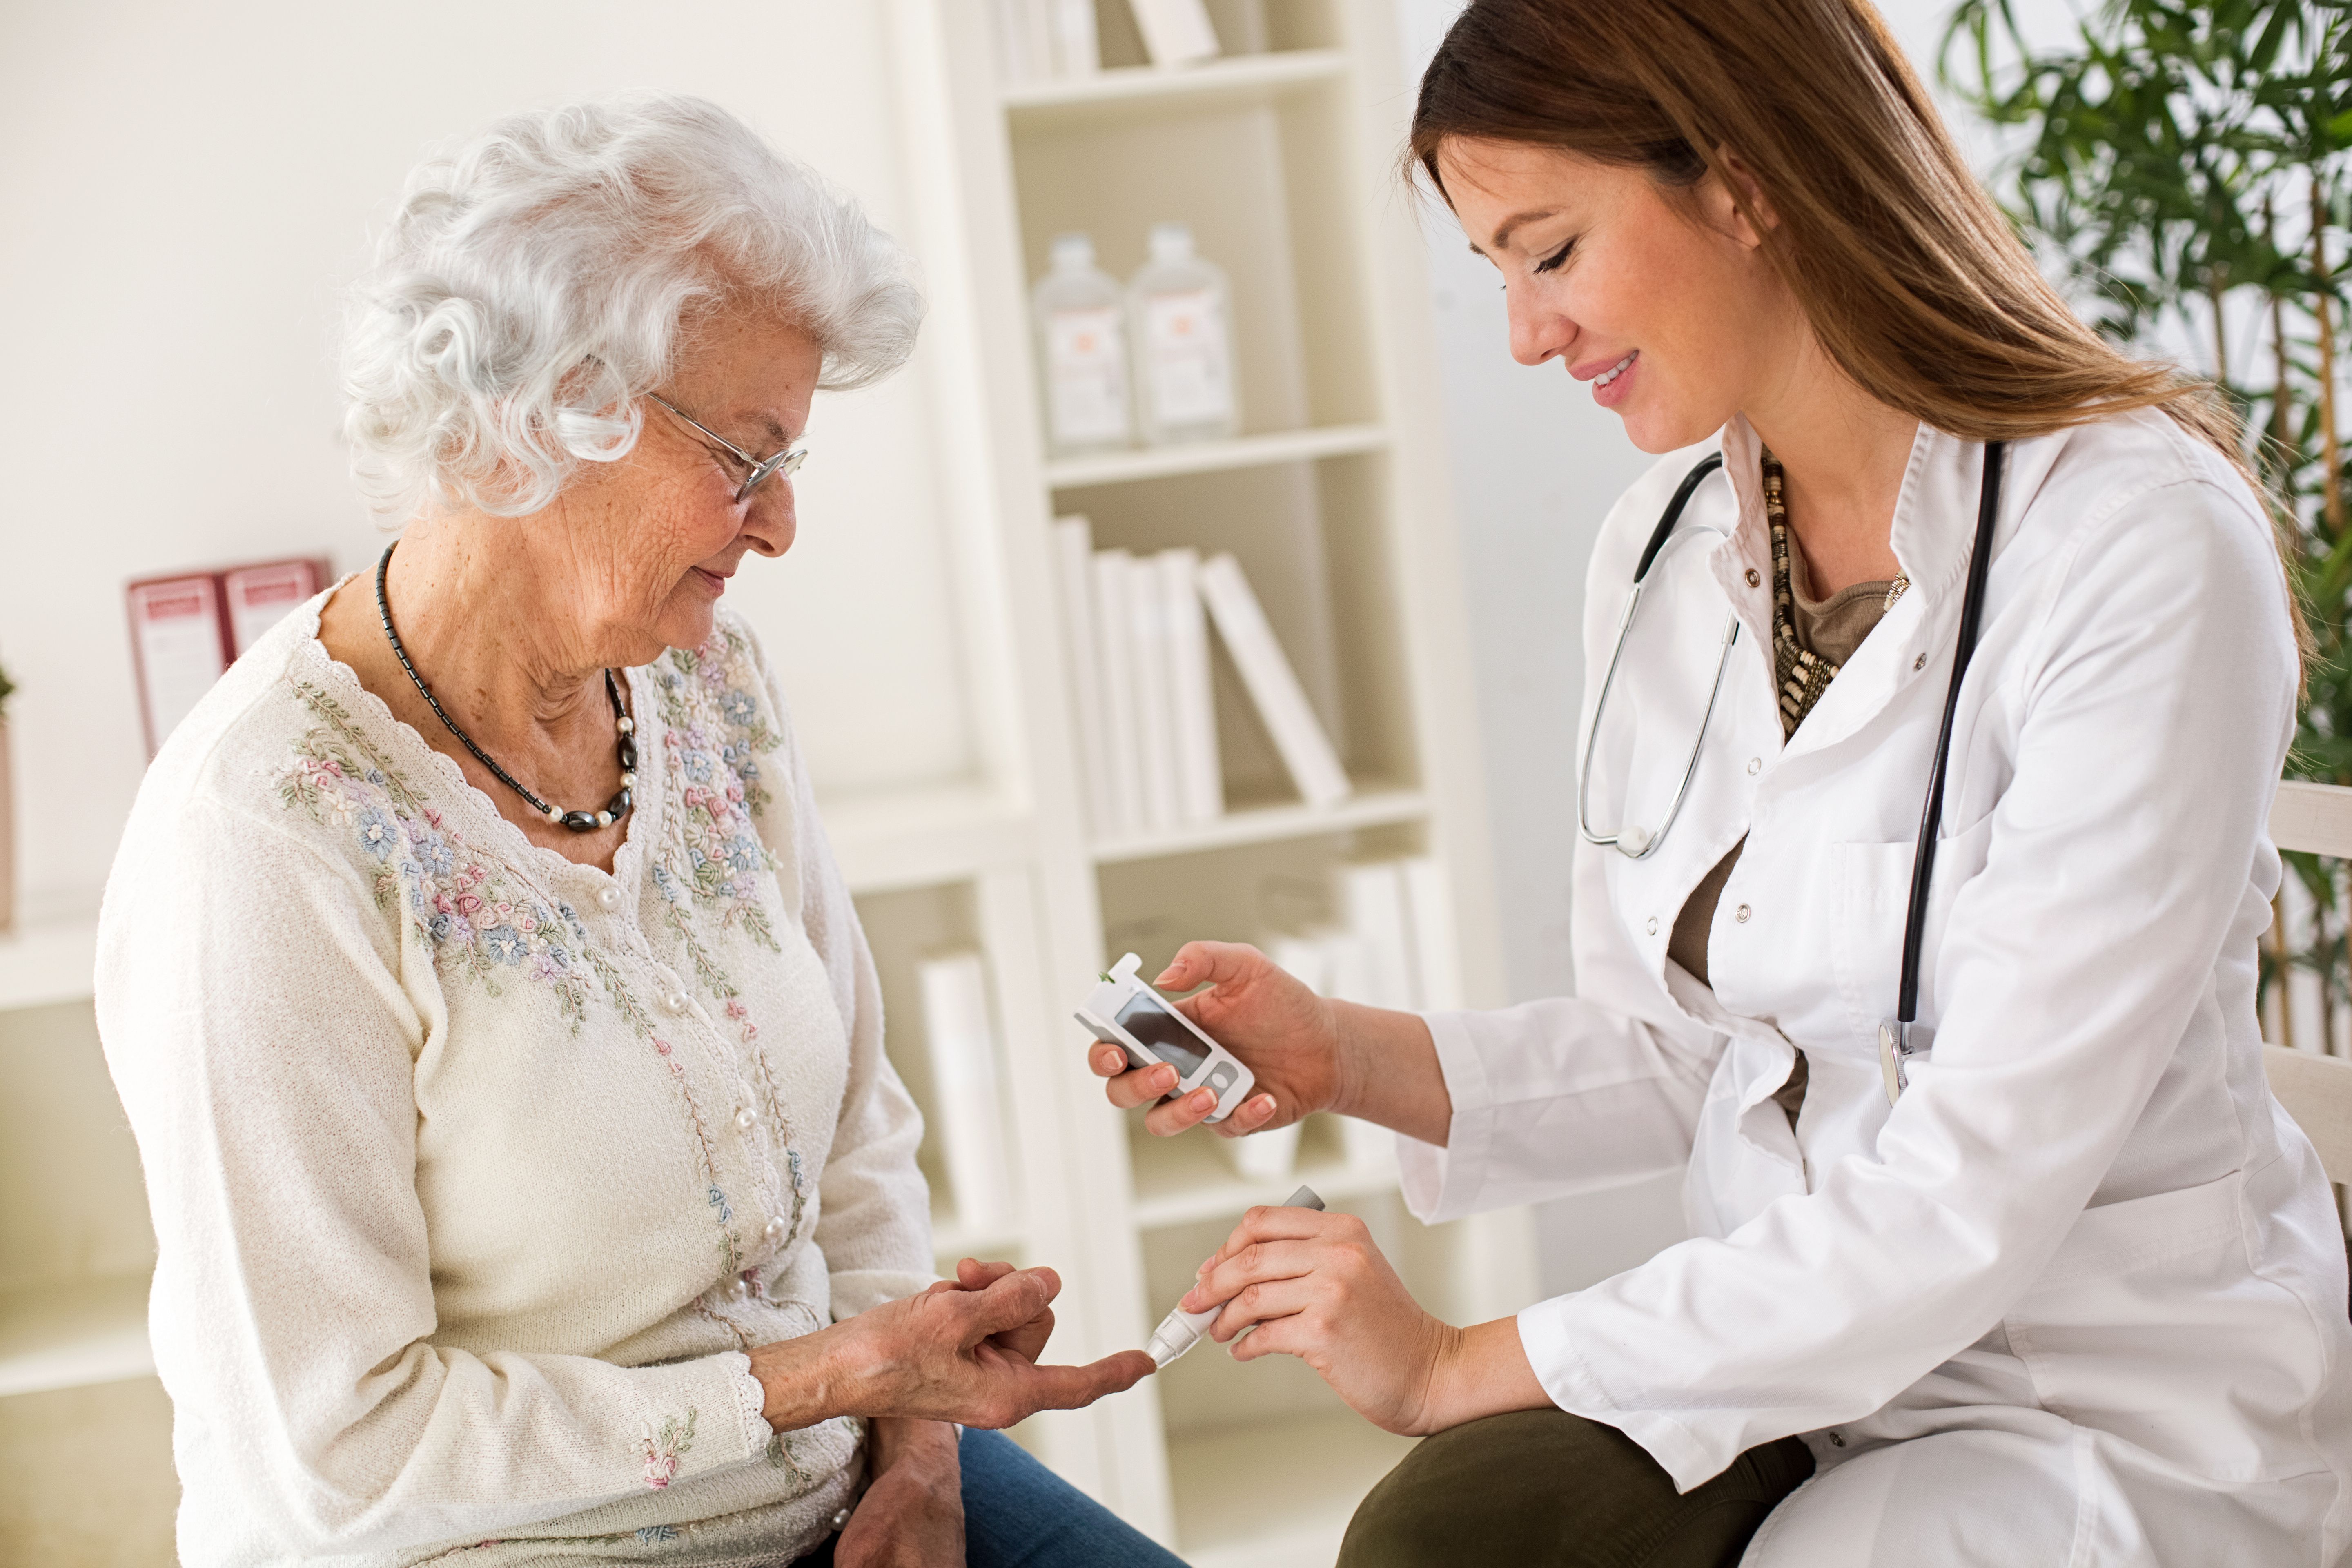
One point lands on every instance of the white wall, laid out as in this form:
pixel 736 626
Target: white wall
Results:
pixel 187 188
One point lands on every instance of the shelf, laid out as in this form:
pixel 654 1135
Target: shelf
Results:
pixel 1267 824
pixel 41 964
pixel 1275 1494
pixel 921 838
pixel 70 1336
pixel 1130 89
pixel 1216 457
pixel 1187 1179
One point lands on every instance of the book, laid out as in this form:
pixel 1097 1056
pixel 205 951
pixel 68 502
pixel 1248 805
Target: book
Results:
pixel 258 598
pixel 1272 685
pixel 1175 32
pixel 1200 774
pixel 1074 571
pixel 1077 46
pixel 1155 707
pixel 1437 966
pixel 1119 696
pixel 968 1106
pixel 1372 901
pixel 179 646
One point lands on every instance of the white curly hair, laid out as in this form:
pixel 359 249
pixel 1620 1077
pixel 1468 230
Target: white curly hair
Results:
pixel 541 276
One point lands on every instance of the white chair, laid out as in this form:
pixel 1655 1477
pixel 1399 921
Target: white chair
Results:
pixel 2317 1091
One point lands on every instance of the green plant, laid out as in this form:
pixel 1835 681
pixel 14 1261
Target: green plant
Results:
pixel 2181 162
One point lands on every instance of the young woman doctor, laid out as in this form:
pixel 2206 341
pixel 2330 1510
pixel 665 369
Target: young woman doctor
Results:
pixel 2049 1279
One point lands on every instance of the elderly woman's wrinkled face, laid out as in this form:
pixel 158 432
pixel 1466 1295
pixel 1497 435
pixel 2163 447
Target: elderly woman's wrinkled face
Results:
pixel 658 535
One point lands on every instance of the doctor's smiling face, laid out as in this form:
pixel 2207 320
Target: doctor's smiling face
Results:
pixel 1659 297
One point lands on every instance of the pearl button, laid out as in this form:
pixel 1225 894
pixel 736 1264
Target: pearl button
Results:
pixel 673 1002
pixel 746 1119
pixel 740 1290
pixel 608 898
pixel 1744 913
pixel 1755 764
pixel 773 1231
pixel 841 1520
pixel 1752 578
pixel 1652 927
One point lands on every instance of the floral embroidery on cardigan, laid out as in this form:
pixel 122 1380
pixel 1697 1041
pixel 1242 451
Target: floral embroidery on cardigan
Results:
pixel 663 1449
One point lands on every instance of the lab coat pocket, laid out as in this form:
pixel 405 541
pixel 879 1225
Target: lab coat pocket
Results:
pixel 2149 1324
pixel 1874 894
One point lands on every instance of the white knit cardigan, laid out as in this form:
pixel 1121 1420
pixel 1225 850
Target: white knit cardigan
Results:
pixel 475 1171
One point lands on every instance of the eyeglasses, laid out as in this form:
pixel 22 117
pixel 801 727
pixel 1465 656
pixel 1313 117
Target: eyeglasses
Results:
pixel 786 462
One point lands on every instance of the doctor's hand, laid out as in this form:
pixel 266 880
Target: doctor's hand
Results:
pixel 1287 1035
pixel 1317 1286
pixel 1309 1053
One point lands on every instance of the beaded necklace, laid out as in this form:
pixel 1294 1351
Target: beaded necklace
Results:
pixel 577 821
pixel 1800 675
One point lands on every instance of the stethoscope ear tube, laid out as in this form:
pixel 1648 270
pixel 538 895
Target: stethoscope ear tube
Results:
pixel 1894 1038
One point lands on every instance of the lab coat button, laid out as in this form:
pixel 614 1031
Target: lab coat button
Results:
pixel 1836 1441
pixel 608 897
pixel 1744 913
pixel 1919 663
pixel 1752 578
pixel 1653 925
pixel 1755 764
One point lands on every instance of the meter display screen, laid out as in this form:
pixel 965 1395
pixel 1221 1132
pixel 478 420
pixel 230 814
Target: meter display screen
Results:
pixel 1163 1033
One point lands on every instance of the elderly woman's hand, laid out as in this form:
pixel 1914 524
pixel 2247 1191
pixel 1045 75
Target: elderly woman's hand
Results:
pixel 912 1513
pixel 952 1353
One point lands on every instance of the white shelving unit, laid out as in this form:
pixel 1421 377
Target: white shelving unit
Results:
pixel 1280 156
pixel 1334 496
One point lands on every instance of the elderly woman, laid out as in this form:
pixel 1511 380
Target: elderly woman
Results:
pixel 529 1181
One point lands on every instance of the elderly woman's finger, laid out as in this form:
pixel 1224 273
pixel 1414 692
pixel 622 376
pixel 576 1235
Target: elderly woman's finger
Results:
pixel 1008 1302
pixel 1075 1387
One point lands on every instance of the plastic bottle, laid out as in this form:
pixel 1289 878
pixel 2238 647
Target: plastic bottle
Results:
pixel 1181 320
pixel 1081 352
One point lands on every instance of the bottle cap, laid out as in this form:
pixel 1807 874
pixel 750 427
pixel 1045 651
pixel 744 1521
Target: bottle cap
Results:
pixel 1172 242
pixel 1073 252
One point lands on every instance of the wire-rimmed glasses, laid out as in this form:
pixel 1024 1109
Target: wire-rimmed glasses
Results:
pixel 786 462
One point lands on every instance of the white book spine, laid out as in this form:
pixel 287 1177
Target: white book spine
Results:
pixel 967 1103
pixel 1272 685
pixel 1074 555
pixel 1155 717
pixel 1371 897
pixel 1200 771
pixel 1175 32
pixel 1112 569
pixel 1437 960
pixel 1077 47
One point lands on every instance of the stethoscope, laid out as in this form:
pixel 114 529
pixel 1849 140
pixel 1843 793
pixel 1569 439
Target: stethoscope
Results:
pixel 1900 1037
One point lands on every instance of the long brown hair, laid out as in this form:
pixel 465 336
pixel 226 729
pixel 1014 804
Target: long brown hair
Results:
pixel 1908 273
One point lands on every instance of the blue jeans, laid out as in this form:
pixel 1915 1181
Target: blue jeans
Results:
pixel 1019 1514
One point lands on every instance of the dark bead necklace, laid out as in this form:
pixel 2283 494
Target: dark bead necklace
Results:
pixel 578 821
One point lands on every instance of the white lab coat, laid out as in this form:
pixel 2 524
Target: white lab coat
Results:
pixel 2080 1299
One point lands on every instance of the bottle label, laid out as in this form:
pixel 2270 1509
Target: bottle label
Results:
pixel 1190 370
pixel 1085 376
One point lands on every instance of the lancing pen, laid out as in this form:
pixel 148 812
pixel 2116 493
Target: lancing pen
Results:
pixel 1179 1331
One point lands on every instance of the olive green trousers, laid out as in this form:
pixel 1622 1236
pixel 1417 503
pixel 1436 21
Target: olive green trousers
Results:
pixel 1542 1488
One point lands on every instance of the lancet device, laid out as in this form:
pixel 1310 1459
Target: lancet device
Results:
pixel 1125 1011
pixel 1179 1331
